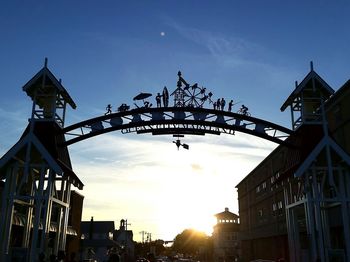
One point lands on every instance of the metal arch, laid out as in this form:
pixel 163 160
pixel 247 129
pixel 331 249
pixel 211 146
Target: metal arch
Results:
pixel 175 120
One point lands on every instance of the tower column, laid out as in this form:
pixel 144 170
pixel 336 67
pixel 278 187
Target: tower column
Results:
pixel 7 210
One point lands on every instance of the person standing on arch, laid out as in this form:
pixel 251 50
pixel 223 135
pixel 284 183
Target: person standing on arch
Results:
pixel 218 104
pixel 230 105
pixel 158 99
pixel 223 103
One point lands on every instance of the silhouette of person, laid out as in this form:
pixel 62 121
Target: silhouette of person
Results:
pixel 214 105
pixel 151 257
pixel 244 109
pixel 158 99
pixel 109 109
pixel 223 103
pixel 230 105
pixel 147 104
pixel 218 104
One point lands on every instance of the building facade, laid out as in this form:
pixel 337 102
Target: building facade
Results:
pixel 295 204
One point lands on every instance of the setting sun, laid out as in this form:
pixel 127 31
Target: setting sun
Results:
pixel 172 189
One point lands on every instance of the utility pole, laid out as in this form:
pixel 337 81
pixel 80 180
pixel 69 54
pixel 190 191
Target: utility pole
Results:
pixel 126 225
pixel 149 237
pixel 143 233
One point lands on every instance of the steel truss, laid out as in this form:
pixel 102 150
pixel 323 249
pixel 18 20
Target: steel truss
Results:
pixel 176 120
pixel 312 203
pixel 317 204
pixel 36 187
pixel 37 177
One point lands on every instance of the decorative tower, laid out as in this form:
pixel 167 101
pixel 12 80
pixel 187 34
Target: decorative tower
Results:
pixel 49 97
pixel 306 100
pixel 38 176
pixel 225 237
pixel 316 195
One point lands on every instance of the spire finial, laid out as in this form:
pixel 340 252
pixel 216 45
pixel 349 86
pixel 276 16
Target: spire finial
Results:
pixel 45 62
pixel 311 66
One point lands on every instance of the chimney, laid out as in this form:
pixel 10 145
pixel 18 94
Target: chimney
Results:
pixel 91 228
pixel 226 209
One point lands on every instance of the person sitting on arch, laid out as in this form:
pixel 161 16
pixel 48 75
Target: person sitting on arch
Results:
pixel 147 104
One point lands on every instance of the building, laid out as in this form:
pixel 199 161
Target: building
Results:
pixel 225 237
pixel 295 204
pixel 124 238
pixel 97 240
pixel 38 178
pixel 74 220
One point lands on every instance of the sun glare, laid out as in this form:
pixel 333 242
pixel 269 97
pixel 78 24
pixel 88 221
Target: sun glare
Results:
pixel 163 190
pixel 196 189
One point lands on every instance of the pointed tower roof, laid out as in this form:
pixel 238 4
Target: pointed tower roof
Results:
pixel 320 85
pixel 45 81
pixel 45 147
pixel 344 157
pixel 226 215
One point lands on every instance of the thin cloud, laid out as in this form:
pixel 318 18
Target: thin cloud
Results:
pixel 239 54
pixel 219 46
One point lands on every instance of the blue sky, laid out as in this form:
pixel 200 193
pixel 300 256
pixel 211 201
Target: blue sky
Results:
pixel 109 51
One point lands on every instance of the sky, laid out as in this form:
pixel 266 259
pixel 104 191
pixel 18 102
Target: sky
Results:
pixel 106 52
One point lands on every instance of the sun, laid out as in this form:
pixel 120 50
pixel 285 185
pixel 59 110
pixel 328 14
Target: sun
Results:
pixel 193 193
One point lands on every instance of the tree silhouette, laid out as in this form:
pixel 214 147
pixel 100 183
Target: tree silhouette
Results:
pixel 190 241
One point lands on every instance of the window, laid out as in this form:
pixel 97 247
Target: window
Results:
pixel 277 175
pixel 274 207
pixel 257 190
pixel 280 205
